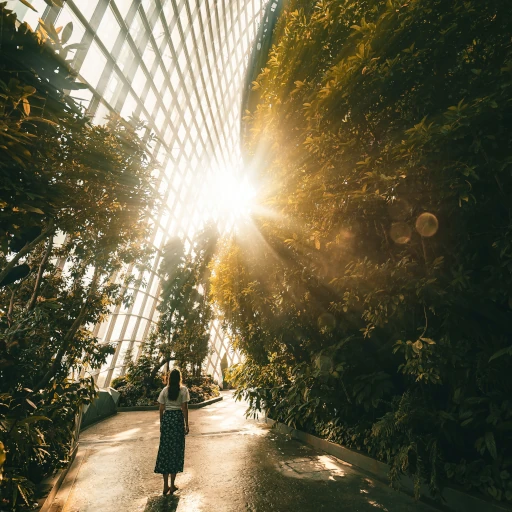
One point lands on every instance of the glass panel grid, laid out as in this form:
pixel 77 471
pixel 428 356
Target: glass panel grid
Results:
pixel 180 65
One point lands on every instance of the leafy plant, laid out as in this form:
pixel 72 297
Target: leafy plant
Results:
pixel 74 200
pixel 182 332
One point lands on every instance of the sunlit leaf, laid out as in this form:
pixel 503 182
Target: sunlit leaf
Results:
pixel 28 4
pixel 32 209
pixel 26 106
pixel 32 404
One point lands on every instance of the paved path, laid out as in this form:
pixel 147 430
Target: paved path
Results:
pixel 231 465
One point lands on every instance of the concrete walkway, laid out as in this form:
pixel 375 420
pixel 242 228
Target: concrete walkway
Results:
pixel 231 465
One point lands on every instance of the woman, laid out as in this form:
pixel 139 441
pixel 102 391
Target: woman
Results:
pixel 173 400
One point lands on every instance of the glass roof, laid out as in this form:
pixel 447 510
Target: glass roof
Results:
pixel 179 66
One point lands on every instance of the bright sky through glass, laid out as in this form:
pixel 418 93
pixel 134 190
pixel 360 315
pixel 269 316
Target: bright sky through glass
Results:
pixel 179 67
pixel 232 195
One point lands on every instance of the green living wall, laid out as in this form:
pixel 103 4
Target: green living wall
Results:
pixel 371 294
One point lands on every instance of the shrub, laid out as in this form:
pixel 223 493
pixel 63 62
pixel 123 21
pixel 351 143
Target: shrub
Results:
pixel 136 393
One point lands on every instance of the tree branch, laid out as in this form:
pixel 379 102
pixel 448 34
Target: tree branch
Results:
pixel 39 277
pixel 11 307
pixel 160 364
pixel 28 247
pixel 69 335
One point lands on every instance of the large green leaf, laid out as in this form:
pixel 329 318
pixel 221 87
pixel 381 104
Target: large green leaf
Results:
pixel 490 443
pixel 66 33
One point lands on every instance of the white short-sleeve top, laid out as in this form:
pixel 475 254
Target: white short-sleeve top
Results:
pixel 171 405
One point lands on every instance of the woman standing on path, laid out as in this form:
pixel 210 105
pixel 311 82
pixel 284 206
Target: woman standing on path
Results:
pixel 173 400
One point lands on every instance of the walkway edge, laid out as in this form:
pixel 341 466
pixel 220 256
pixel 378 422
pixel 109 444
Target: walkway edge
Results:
pixel 55 482
pixel 155 407
pixel 453 499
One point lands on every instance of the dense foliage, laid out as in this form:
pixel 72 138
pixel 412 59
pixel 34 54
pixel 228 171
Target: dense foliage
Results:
pixel 371 297
pixel 182 332
pixel 73 206
pixel 138 390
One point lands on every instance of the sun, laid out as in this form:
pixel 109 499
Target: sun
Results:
pixel 233 196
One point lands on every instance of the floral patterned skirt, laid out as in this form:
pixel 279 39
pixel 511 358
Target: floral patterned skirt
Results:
pixel 171 453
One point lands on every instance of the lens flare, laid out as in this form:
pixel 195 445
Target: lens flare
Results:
pixel 427 224
pixel 400 232
pixel 326 322
pixel 399 210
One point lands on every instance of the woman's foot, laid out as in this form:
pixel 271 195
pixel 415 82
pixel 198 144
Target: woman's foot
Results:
pixel 173 489
pixel 166 490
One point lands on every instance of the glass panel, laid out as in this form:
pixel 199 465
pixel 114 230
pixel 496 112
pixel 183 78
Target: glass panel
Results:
pixel 121 356
pixel 108 29
pixel 123 7
pixel 87 8
pixel 158 32
pixel 158 78
pixel 103 329
pixel 135 350
pixel 93 65
pixel 147 5
pixel 126 57
pixel 168 135
pixel 142 327
pixel 66 16
pixel 149 56
pixel 129 106
pixel 137 29
pixel 26 14
pixel 100 380
pixel 147 309
pixel 100 117
pixel 154 287
pixel 116 332
pixel 160 119
pixel 167 98
pixel 138 303
pixel 83 97
pixel 117 371
pixel 139 80
pixel 114 88
pixel 150 100
pixel 131 326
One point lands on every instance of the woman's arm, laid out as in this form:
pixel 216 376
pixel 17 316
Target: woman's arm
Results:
pixel 184 408
pixel 162 409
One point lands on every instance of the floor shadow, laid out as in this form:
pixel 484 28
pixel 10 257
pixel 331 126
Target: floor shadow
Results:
pixel 162 504
pixel 288 475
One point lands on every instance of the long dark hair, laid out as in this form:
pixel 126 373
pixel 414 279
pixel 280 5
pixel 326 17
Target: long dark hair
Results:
pixel 174 384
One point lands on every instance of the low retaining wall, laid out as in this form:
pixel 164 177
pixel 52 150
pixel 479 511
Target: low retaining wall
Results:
pixel 156 407
pixel 452 499
pixel 104 405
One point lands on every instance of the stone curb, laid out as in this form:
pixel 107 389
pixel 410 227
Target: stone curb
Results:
pixel 155 407
pixel 453 499
pixel 44 504
pixel 200 405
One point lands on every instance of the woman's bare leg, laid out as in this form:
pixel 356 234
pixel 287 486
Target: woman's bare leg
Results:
pixel 173 478
pixel 166 482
